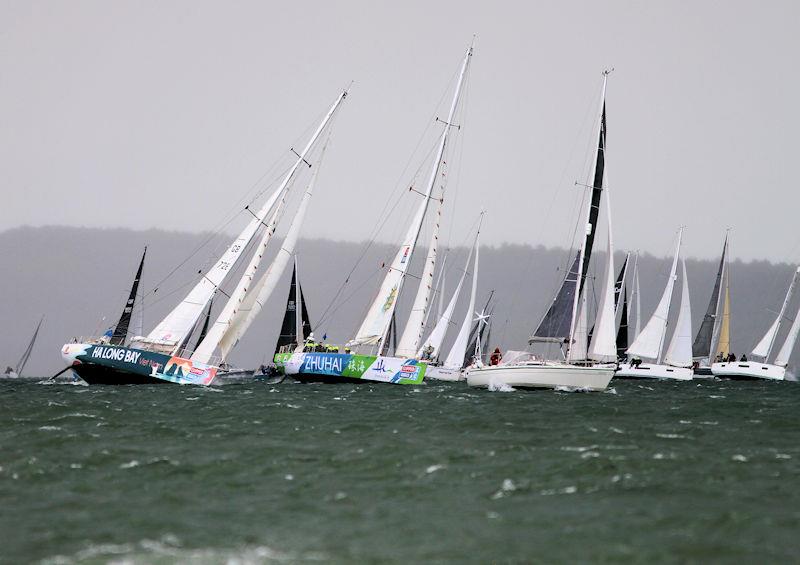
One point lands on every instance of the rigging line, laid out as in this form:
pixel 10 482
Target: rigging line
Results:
pixel 328 315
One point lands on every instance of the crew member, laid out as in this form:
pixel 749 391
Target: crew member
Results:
pixel 496 357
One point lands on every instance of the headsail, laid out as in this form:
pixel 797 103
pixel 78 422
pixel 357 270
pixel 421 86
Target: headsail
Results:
pixel 724 338
pixel 556 323
pixel 121 330
pixel 679 352
pixel 173 330
pixel 206 322
pixel 650 342
pixel 374 328
pixel 785 352
pixel 764 347
pixel 296 327
pixel 459 348
pixel 622 333
pixel 604 344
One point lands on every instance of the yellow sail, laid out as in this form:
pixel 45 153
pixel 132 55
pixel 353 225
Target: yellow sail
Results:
pixel 724 344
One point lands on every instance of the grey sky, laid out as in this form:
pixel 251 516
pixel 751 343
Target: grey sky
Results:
pixel 153 114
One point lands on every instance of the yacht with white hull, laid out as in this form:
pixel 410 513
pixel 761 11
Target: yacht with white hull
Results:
pixel 776 370
pixel 649 344
pixel 565 324
pixel 713 339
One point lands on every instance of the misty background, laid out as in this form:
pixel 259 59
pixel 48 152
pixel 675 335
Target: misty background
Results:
pixel 78 276
pixel 114 113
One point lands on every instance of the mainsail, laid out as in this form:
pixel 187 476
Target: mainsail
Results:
pixel 173 330
pixel 121 330
pixel 559 322
pixel 702 346
pixel 374 329
pixel 604 344
pixel 296 326
pixel 782 358
pixel 621 307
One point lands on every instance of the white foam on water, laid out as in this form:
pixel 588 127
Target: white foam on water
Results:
pixel 129 464
pixel 50 428
pixel 434 468
pixel 740 458
pixel 496 386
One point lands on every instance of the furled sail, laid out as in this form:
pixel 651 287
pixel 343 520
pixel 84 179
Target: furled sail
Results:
pixel 432 346
pixel 173 329
pixel 121 329
pixel 650 342
pixel 374 328
pixel 702 346
pixel 28 350
pixel 764 347
pixel 679 352
pixel 459 348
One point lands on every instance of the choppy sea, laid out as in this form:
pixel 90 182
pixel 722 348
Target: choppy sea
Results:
pixel 645 472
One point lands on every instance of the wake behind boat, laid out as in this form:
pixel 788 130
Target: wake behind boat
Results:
pixel 163 354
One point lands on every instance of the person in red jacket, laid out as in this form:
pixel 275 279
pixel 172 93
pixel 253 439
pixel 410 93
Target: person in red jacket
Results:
pixel 496 356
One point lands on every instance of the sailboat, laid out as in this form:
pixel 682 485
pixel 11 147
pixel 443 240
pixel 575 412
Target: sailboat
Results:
pixel 449 368
pixel 676 363
pixel 764 370
pixel 566 322
pixel 17 371
pixel 163 354
pixel 713 338
pixel 378 331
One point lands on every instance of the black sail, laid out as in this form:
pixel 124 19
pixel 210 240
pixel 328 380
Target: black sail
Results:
pixel 204 329
pixel 622 333
pixel 288 336
pixel 557 322
pixel 121 330
pixel 702 342
pixel 597 192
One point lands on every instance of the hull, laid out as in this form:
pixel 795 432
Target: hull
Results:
pixel 653 371
pixel 347 367
pixel 541 375
pixel 443 374
pixel 116 365
pixel 748 370
pixel 703 373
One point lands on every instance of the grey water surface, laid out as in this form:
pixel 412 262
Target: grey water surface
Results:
pixel 646 472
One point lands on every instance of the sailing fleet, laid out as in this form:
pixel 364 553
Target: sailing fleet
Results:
pixel 586 337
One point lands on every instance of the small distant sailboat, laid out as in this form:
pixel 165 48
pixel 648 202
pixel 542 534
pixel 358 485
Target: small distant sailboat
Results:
pixel 764 370
pixel 583 366
pixel 164 355
pixel 713 340
pixel 649 344
pixel 16 372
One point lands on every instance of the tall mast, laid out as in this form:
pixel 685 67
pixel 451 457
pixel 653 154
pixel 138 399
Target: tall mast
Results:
pixel 173 330
pixel 593 210
pixel 374 328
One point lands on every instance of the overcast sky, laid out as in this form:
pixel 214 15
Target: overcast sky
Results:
pixel 160 114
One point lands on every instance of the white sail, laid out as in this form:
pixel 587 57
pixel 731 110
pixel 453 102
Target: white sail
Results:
pixel 578 351
pixel 28 350
pixel 638 302
pixel 412 333
pixel 679 352
pixel 455 359
pixel 764 347
pixel 375 326
pixel 436 337
pixel 604 338
pixel 206 348
pixel 262 290
pixel 650 342
pixel 173 330
pixel 782 359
